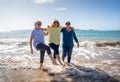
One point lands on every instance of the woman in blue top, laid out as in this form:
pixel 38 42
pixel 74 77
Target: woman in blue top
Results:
pixel 38 36
pixel 67 41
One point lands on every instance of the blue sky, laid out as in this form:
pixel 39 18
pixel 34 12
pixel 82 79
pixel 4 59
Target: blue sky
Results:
pixel 83 14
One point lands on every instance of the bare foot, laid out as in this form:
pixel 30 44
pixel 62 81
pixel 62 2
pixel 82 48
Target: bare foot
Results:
pixel 54 63
pixel 64 65
pixel 60 63
pixel 41 68
pixel 68 65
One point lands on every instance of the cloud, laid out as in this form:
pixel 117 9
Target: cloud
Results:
pixel 44 1
pixel 60 9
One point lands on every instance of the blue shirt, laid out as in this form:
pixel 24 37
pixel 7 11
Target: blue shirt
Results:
pixel 38 37
pixel 68 36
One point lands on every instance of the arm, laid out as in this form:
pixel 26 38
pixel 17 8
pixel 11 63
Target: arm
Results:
pixel 31 39
pixel 75 38
pixel 46 33
pixel 62 27
pixel 72 28
pixel 45 29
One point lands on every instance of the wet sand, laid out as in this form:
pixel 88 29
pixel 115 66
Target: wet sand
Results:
pixel 30 75
pixel 67 74
pixel 24 75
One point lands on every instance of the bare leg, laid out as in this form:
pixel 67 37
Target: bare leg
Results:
pixel 58 57
pixel 41 65
pixel 53 62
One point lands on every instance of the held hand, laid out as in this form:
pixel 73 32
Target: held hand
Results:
pixel 31 51
pixel 45 33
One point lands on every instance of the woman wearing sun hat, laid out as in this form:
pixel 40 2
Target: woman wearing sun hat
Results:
pixel 37 36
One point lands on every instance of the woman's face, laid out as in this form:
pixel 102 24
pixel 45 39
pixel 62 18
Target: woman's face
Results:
pixel 67 25
pixel 37 25
pixel 55 23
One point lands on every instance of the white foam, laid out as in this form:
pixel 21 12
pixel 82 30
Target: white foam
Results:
pixel 57 69
pixel 82 54
pixel 86 53
pixel 118 53
pixel 108 61
pixel 113 48
pixel 90 44
pixel 94 55
pixel 17 53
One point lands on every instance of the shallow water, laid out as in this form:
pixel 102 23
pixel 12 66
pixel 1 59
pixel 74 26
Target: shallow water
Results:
pixel 99 52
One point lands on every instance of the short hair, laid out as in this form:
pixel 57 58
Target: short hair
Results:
pixel 38 22
pixel 68 23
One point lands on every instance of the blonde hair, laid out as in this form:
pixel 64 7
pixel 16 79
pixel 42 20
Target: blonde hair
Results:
pixel 37 22
pixel 54 22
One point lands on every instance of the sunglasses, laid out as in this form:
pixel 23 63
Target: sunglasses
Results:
pixel 39 24
pixel 55 22
pixel 67 23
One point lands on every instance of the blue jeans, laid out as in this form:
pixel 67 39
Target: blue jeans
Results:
pixel 67 51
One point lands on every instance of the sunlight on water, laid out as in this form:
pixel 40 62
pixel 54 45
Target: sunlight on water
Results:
pixel 15 55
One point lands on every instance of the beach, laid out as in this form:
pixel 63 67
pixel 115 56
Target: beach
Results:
pixel 96 60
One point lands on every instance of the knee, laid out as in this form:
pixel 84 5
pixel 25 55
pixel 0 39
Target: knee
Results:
pixel 69 55
pixel 48 50
pixel 47 47
pixel 63 55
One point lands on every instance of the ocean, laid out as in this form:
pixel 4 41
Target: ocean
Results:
pixel 81 34
pixel 98 50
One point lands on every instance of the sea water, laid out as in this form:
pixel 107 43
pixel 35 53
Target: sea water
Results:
pixel 15 50
pixel 98 35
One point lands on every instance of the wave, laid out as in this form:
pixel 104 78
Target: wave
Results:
pixel 23 42
pixel 18 50
pixel 108 43
pixel 93 43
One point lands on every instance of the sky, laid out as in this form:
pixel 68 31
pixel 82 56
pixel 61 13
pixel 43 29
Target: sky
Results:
pixel 83 14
